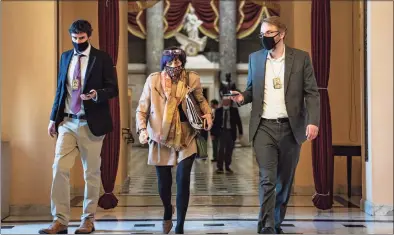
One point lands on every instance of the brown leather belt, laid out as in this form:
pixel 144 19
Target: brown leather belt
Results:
pixel 69 115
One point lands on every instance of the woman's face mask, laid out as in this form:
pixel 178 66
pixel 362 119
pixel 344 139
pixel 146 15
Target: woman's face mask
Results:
pixel 174 68
pixel 174 72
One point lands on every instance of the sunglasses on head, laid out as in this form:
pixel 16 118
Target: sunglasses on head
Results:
pixel 172 52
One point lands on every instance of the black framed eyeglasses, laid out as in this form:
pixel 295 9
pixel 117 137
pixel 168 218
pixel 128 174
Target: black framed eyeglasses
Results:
pixel 268 34
pixel 172 52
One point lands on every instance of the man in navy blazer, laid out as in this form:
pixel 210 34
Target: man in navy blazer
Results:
pixel 80 118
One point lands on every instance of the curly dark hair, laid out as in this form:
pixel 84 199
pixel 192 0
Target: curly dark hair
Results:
pixel 81 26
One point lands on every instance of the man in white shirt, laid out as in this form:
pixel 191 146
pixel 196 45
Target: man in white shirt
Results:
pixel 80 118
pixel 285 112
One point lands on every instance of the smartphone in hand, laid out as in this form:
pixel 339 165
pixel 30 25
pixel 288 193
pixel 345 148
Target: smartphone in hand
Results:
pixel 89 93
pixel 231 94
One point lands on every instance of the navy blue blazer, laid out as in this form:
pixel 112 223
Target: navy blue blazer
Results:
pixel 100 75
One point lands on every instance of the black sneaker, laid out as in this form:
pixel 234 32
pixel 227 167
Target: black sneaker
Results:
pixel 229 171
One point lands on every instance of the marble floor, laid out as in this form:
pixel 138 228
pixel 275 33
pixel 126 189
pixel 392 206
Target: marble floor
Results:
pixel 219 204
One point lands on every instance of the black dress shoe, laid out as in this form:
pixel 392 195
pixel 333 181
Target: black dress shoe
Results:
pixel 279 231
pixel 267 231
pixel 219 171
pixel 229 171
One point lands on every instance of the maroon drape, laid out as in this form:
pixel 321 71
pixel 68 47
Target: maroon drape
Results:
pixel 175 11
pixel 322 159
pixel 132 18
pixel 251 13
pixel 208 12
pixel 108 15
pixel 249 16
pixel 137 23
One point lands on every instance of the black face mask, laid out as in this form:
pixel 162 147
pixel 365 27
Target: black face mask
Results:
pixel 80 47
pixel 269 42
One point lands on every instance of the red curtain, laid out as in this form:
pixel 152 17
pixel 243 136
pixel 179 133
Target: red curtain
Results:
pixel 208 12
pixel 137 23
pixel 108 15
pixel 322 159
pixel 248 16
pixel 174 13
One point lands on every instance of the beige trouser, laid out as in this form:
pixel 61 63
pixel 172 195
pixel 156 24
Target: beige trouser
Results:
pixel 75 139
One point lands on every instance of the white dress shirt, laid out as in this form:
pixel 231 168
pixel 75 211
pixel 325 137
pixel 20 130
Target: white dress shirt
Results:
pixel 70 77
pixel 274 99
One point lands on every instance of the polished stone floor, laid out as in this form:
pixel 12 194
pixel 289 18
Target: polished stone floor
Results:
pixel 220 204
pixel 204 181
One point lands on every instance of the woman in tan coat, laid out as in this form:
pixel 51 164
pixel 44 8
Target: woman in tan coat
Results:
pixel 162 122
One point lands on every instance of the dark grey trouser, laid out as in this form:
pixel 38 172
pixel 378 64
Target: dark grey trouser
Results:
pixel 215 149
pixel 226 147
pixel 277 154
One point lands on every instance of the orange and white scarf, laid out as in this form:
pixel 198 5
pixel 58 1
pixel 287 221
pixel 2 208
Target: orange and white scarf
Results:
pixel 171 130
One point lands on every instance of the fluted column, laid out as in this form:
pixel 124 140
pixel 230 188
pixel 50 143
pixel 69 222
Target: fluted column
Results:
pixel 227 39
pixel 154 37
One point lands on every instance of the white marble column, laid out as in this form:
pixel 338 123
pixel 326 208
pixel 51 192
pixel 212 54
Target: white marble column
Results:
pixel 227 39
pixel 154 37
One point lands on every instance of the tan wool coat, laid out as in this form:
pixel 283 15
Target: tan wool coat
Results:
pixel 149 116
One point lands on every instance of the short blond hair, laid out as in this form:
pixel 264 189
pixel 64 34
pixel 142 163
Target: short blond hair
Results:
pixel 276 21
